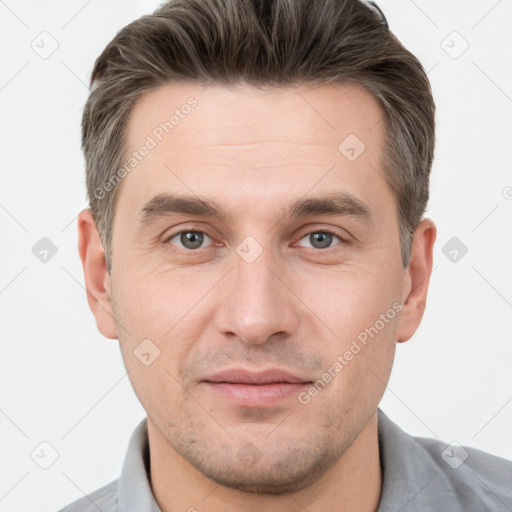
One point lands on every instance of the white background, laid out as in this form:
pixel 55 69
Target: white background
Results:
pixel 63 383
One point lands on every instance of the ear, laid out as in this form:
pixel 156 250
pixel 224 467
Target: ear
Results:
pixel 416 279
pixel 97 279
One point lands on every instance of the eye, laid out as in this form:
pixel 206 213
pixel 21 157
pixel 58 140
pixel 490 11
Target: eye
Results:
pixel 192 240
pixel 322 239
pixel 189 240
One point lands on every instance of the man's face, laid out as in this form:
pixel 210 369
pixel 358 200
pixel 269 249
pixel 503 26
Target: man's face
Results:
pixel 258 287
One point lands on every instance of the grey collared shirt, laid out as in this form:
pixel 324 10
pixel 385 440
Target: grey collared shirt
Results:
pixel 419 475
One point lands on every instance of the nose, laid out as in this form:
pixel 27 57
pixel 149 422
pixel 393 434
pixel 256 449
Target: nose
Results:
pixel 258 302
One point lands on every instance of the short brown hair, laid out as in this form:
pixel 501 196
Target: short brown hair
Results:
pixel 262 43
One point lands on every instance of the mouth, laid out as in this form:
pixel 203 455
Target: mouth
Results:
pixel 251 389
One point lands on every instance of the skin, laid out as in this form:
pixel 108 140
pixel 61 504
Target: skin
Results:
pixel 296 306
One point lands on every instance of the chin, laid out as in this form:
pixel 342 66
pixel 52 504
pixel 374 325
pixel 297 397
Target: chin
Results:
pixel 290 470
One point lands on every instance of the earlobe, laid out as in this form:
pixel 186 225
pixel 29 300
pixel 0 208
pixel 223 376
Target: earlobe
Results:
pixel 416 279
pixel 97 279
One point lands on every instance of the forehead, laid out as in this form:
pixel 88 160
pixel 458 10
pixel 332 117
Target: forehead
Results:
pixel 322 114
pixel 252 141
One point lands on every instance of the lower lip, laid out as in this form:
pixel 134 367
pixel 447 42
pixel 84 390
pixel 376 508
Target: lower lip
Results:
pixel 263 395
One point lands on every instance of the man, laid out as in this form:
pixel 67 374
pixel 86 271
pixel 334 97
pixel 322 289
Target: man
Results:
pixel 258 173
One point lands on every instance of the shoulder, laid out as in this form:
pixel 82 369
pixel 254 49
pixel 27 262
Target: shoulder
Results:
pixel 104 499
pixel 485 476
pixel 421 474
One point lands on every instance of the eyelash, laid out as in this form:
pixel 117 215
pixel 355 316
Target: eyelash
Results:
pixel 325 230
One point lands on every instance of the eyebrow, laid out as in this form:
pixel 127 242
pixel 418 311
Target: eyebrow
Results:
pixel 333 204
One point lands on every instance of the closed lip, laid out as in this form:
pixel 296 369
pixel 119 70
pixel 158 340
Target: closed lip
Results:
pixel 269 376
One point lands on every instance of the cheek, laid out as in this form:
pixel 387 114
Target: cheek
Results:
pixel 154 303
pixel 360 312
pixel 162 319
pixel 350 299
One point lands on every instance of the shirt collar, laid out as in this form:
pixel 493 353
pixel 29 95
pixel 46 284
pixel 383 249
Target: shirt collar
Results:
pixel 134 491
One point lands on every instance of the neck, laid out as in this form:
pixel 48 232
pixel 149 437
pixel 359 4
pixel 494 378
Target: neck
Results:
pixel 353 482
